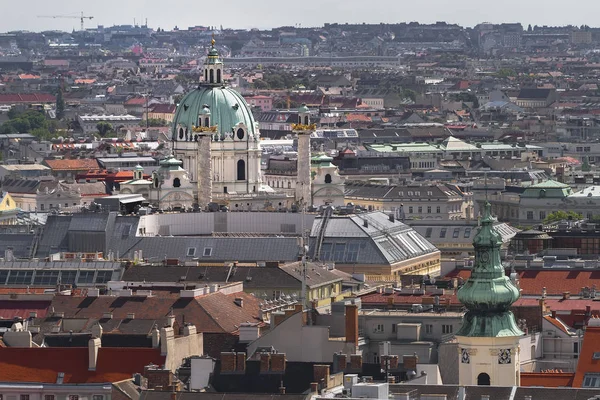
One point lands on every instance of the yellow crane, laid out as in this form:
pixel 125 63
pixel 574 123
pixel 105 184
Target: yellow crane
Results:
pixel 80 17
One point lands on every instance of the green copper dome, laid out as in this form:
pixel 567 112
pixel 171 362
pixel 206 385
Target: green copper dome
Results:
pixel 227 108
pixel 303 108
pixel 488 293
pixel 171 163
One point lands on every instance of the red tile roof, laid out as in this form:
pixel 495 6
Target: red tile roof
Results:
pixel 557 323
pixel 358 118
pixel 586 363
pixel 547 379
pixel 555 281
pixel 10 309
pixel 213 313
pixel 163 108
pixel 72 165
pixel 135 101
pixel 9 98
pixel 42 364
pixel 28 76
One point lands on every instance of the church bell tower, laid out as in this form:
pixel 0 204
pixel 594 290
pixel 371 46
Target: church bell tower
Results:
pixel 488 341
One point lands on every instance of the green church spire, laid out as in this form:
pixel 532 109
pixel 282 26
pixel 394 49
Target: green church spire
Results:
pixel 488 293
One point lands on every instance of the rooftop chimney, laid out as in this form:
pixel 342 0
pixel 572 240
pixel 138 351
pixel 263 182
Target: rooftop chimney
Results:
pixel 351 324
pixel 93 347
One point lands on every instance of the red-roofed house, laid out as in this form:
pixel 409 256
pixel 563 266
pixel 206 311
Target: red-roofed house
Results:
pixel 135 105
pixel 588 367
pixel 547 379
pixel 77 364
pixel 88 372
pixel 162 111
pixel 69 169
pixel 533 281
pixel 26 98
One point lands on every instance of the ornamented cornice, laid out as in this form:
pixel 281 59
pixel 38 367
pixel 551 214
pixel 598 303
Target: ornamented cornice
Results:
pixel 199 129
pixel 302 127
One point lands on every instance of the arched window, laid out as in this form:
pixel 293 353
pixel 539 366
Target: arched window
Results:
pixel 218 76
pixel 289 185
pixel 483 379
pixel 240 133
pixel 328 178
pixel 206 75
pixel 181 133
pixel 206 121
pixel 176 183
pixel 241 170
pixel 212 76
pixel 306 120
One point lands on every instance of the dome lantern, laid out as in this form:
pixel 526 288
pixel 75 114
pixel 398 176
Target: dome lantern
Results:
pixel 213 67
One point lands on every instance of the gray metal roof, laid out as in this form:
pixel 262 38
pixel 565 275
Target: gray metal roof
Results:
pixel 211 249
pixel 369 238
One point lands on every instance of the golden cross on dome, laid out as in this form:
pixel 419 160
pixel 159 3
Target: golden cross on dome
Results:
pixel 212 41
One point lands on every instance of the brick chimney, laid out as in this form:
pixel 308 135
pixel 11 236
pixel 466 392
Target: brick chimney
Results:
pixel 352 324
pixel 321 373
pixel 228 361
pixel 356 362
pixel 265 362
pixel 240 362
pixel 340 362
pixel 278 362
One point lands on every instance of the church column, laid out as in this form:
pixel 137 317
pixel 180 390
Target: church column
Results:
pixel 204 173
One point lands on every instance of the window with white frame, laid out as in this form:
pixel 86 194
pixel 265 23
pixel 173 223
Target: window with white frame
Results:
pixel 591 380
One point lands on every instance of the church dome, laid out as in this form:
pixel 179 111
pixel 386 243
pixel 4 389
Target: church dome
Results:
pixel 227 109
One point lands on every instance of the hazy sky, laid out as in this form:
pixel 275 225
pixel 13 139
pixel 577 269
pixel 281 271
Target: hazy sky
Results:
pixel 16 15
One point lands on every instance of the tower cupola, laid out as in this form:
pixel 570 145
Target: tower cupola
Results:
pixel 488 293
pixel 213 67
pixel 303 115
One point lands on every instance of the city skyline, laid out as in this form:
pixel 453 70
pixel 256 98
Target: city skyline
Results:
pixel 246 15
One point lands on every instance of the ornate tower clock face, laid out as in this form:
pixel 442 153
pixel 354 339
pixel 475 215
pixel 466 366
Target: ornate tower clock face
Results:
pixel 465 357
pixel 504 356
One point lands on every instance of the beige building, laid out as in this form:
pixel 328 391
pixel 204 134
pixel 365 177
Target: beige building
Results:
pixel 419 202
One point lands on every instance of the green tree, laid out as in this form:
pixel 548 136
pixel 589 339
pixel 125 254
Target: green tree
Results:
pixel 41 133
pixel 12 113
pixel 60 105
pixel 409 94
pixel 154 122
pixel 560 215
pixel 506 72
pixel 103 128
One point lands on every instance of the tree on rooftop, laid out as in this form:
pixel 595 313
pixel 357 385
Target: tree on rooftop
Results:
pixel 103 128
pixel 560 215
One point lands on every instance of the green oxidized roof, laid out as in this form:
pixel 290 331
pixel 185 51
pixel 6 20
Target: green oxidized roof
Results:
pixel 322 159
pixel 488 293
pixel 548 188
pixel 170 163
pixel 227 109
pixel 303 109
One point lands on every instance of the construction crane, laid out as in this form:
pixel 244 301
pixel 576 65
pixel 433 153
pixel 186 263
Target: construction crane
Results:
pixel 80 17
